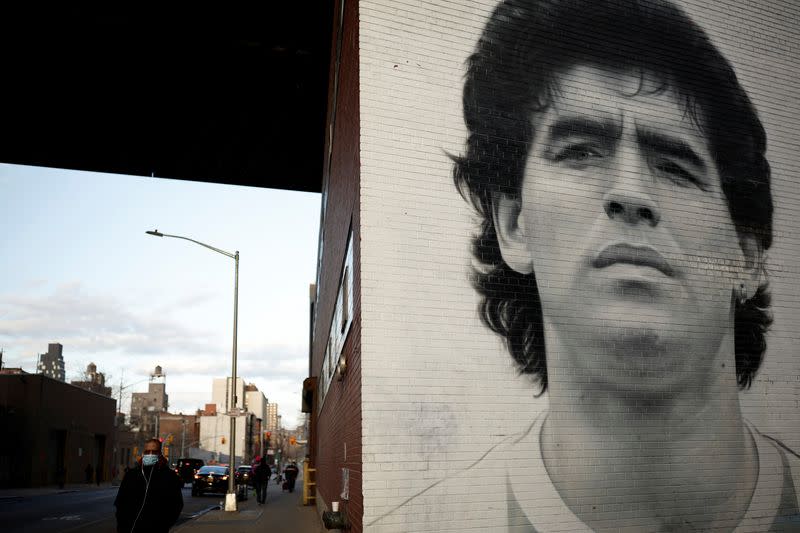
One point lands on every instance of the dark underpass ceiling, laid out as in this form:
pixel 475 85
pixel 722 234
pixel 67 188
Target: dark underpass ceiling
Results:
pixel 226 94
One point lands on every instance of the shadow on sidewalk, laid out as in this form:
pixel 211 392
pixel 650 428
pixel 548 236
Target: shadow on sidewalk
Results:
pixel 284 512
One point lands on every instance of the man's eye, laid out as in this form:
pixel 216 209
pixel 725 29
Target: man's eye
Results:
pixel 577 154
pixel 676 173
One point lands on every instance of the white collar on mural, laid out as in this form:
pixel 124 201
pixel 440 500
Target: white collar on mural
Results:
pixel 539 499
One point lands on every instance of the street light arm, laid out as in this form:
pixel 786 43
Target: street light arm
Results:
pixel 129 385
pixel 157 233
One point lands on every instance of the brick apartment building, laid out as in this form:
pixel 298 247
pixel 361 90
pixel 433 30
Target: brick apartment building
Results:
pixel 180 432
pixel 94 381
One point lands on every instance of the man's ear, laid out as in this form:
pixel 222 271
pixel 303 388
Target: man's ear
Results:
pixel 507 217
pixel 753 275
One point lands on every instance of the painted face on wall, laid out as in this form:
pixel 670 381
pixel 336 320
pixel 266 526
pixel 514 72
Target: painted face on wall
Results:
pixel 622 218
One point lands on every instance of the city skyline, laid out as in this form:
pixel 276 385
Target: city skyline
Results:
pixel 80 271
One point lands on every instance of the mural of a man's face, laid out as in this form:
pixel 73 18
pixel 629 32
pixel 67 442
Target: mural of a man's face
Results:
pixel 620 214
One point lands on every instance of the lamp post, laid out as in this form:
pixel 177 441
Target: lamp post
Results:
pixel 183 435
pixel 230 497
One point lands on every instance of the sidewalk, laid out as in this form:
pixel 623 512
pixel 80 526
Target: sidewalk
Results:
pixel 284 512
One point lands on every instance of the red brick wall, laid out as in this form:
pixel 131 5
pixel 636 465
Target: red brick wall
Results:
pixel 172 424
pixel 339 422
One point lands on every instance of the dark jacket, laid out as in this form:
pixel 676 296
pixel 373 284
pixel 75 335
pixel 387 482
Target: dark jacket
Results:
pixel 291 472
pixel 162 506
pixel 262 472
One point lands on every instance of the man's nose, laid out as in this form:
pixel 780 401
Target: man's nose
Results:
pixel 630 196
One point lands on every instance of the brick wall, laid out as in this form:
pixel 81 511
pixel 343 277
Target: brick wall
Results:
pixel 184 434
pixel 338 430
pixel 438 389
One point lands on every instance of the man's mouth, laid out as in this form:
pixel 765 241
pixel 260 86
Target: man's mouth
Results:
pixel 639 255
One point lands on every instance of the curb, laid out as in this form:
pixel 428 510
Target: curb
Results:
pixel 180 523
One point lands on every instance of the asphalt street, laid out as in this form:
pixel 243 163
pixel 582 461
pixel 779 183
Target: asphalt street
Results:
pixel 84 511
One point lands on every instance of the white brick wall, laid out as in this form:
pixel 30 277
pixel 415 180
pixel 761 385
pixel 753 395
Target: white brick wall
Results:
pixel 438 388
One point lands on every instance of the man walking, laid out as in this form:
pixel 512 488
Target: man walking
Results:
pixel 149 497
pixel 261 475
pixel 290 473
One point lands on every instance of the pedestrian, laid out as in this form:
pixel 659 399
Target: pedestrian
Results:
pixel 89 471
pixel 149 497
pixel 290 472
pixel 261 474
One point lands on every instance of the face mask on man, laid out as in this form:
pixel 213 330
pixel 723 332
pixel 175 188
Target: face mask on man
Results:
pixel 149 460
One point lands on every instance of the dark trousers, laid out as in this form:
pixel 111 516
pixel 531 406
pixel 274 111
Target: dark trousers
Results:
pixel 261 491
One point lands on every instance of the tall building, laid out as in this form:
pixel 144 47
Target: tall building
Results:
pixel 215 434
pixel 51 364
pixel 271 421
pixel 221 393
pixel 255 402
pixel 215 421
pixel 95 381
pixel 145 406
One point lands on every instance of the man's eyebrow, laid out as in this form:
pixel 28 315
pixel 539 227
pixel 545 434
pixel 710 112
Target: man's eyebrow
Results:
pixel 671 146
pixel 584 127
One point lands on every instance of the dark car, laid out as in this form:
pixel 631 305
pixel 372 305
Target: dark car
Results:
pixel 244 475
pixel 188 467
pixel 210 479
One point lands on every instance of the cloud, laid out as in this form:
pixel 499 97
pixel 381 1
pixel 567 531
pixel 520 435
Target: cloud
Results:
pixel 277 370
pixel 91 324
pixel 126 343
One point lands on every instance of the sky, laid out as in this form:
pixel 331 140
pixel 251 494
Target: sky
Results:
pixel 77 268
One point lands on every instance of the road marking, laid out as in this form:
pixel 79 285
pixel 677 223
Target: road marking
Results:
pixel 81 526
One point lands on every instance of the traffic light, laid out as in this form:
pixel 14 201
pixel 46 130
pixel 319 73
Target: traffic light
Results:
pixel 292 440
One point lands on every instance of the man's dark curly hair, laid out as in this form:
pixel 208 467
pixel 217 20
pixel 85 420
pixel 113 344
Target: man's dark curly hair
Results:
pixel 510 76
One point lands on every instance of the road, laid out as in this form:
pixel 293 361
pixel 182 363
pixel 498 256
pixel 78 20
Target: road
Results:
pixel 85 511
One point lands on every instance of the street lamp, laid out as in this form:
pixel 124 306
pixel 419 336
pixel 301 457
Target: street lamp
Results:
pixel 230 497
pixel 122 388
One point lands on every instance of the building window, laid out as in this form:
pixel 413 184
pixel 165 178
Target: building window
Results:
pixel 340 323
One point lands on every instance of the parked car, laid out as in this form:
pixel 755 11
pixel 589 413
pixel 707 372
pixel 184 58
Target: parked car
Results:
pixel 210 479
pixel 244 475
pixel 188 467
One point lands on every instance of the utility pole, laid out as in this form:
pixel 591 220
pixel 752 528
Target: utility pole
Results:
pixel 119 404
pixel 183 435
